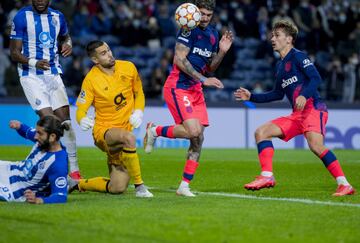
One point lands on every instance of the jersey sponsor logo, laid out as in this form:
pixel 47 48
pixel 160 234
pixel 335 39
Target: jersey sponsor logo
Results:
pixel 46 40
pixel 307 62
pixel 61 182
pixel 120 101
pixel 289 81
pixel 204 53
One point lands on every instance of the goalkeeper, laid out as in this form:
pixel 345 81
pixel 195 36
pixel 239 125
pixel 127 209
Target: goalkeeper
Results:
pixel 114 88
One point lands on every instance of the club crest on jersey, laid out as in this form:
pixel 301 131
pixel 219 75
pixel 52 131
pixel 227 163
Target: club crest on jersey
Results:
pixel 54 21
pixel 287 66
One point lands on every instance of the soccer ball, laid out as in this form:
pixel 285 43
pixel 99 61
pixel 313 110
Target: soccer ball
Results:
pixel 187 16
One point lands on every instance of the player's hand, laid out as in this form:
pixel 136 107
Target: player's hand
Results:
pixel 31 197
pixel 213 82
pixel 242 94
pixel 86 123
pixel 66 50
pixel 226 41
pixel 136 118
pixel 43 64
pixel 14 124
pixel 300 102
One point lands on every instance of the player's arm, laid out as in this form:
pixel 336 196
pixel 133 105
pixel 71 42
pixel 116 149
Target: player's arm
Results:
pixel 275 94
pixel 83 103
pixel 64 37
pixel 224 45
pixel 139 101
pixel 180 60
pixel 23 130
pixel 66 45
pixel 308 68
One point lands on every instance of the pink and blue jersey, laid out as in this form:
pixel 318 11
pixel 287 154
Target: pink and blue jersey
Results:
pixel 39 33
pixel 203 43
pixel 295 75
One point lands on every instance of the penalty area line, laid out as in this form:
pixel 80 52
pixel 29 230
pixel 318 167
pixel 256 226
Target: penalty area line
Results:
pixel 282 199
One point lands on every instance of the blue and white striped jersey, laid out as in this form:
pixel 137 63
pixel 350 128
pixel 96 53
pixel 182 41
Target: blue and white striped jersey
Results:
pixel 45 173
pixel 39 33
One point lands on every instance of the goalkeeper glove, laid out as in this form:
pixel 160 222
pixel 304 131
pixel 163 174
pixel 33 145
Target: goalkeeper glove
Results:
pixel 136 118
pixel 86 123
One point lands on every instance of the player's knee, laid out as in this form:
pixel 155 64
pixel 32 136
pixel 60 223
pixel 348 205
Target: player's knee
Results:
pixel 117 188
pixel 260 133
pixel 130 140
pixel 194 132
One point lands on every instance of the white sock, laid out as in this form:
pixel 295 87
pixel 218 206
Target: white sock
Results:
pixel 341 180
pixel 266 173
pixel 184 184
pixel 69 141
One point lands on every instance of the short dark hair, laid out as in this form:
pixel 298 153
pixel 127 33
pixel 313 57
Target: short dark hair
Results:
pixel 52 124
pixel 288 27
pixel 92 45
pixel 207 4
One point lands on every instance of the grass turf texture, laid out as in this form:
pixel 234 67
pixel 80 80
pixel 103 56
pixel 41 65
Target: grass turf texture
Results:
pixel 94 217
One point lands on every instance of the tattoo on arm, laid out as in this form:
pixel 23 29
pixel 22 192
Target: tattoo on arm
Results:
pixel 215 61
pixel 181 52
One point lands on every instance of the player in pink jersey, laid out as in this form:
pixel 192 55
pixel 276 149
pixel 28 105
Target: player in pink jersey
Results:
pixel 298 79
pixel 197 52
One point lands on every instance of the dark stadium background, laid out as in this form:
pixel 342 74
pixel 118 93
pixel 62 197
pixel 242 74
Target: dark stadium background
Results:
pixel 143 32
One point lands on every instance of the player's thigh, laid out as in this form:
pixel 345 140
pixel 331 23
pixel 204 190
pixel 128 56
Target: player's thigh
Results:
pixel 119 178
pixel 57 91
pixel 36 91
pixel 315 121
pixel 180 104
pixel 193 127
pixel 119 137
pixel 290 126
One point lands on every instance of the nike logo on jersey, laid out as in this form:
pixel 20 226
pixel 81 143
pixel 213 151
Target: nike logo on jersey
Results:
pixel 204 53
pixel 289 81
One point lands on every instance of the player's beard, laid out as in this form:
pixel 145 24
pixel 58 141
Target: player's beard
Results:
pixel 45 145
pixel 44 8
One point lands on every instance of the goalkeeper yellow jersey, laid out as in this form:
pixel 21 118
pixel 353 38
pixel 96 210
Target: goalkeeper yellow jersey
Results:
pixel 114 97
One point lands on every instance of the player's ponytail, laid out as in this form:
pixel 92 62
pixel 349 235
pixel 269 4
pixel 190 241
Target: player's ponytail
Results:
pixel 52 124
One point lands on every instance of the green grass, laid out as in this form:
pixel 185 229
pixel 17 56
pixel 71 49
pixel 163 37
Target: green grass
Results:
pixel 96 217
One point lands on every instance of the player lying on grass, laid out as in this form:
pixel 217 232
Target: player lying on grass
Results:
pixel 41 177
pixel 298 79
pixel 114 88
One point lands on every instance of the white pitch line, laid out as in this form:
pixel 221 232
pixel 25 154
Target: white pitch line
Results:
pixel 283 199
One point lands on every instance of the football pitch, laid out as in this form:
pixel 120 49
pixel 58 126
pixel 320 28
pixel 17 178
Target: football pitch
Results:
pixel 299 209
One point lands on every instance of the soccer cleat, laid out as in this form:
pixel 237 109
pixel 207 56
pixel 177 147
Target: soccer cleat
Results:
pixel 75 175
pixel 184 191
pixel 261 182
pixel 343 190
pixel 149 139
pixel 73 185
pixel 142 191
